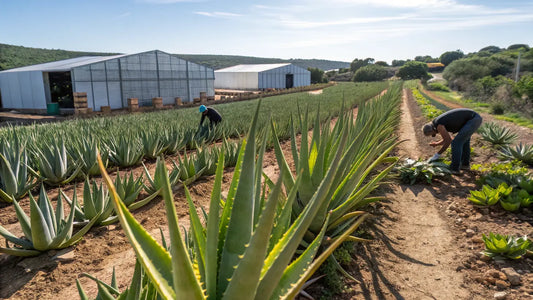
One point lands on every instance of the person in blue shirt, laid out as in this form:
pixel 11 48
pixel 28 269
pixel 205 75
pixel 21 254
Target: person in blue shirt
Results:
pixel 462 121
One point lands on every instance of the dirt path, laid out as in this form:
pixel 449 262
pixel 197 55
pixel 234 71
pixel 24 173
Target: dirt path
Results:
pixel 412 256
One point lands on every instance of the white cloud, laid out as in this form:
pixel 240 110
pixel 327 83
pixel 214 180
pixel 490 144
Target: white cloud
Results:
pixel 302 24
pixel 217 14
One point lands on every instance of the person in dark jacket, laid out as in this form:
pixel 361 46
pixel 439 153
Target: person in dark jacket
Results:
pixel 213 116
pixel 462 121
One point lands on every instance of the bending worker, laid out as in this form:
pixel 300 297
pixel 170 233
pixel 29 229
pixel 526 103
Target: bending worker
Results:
pixel 462 121
pixel 213 115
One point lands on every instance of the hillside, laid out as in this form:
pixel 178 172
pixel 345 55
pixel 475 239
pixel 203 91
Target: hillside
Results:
pixel 19 56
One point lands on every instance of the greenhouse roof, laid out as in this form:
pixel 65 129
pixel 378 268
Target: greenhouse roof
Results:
pixel 252 68
pixel 63 65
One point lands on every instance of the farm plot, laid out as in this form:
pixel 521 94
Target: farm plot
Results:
pixel 109 246
pixel 426 239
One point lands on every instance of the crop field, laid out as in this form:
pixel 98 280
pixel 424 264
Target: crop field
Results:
pixel 293 196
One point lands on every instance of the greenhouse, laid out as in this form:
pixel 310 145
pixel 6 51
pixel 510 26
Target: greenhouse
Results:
pixel 261 77
pixel 107 80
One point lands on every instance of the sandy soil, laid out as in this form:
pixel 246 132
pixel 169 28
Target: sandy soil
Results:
pixel 426 239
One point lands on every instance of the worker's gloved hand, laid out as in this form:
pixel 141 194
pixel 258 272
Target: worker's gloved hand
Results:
pixel 434 157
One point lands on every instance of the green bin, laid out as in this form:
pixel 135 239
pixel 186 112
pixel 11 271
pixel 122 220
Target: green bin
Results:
pixel 52 109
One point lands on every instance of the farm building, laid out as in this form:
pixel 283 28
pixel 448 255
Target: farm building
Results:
pixel 263 76
pixel 107 80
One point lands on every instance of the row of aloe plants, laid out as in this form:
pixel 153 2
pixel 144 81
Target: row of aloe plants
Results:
pixel 59 153
pixel 46 229
pixel 256 244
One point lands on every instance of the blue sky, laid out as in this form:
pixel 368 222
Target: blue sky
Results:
pixel 330 29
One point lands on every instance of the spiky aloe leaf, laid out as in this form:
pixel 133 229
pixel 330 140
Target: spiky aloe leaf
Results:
pixel 173 278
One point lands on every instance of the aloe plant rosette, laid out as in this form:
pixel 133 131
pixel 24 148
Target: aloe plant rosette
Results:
pixel 45 229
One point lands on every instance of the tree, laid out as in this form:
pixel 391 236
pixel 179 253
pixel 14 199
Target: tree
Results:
pixel 426 59
pixel 491 49
pixel 413 70
pixel 317 75
pixel 370 73
pixel 398 62
pixel 518 46
pixel 358 63
pixel 381 63
pixel 446 58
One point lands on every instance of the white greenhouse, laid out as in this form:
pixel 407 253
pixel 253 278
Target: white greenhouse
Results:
pixel 107 80
pixel 263 76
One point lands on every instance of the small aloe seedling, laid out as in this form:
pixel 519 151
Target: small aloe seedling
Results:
pixel 516 199
pixel 44 229
pixel 497 245
pixel 141 288
pixel 489 196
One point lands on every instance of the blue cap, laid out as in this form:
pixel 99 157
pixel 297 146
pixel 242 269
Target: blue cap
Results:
pixel 203 108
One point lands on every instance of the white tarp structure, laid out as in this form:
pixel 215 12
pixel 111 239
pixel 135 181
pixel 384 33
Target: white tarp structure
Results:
pixel 109 80
pixel 262 76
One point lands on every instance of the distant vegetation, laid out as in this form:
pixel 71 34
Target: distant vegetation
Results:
pixel 18 56
pixel 223 61
pixel 490 75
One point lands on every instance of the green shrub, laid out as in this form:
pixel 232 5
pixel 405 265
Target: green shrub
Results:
pixel 370 73
pixel 435 86
pixel 497 108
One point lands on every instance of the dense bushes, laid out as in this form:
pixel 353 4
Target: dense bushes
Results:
pixel 524 87
pixel 370 73
pixel 413 70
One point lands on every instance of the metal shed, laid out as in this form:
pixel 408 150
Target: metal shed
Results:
pixel 262 76
pixel 107 80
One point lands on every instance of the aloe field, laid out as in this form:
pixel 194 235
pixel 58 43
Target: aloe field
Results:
pixel 292 196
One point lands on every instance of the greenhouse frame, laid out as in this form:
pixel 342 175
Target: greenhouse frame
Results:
pixel 261 77
pixel 107 80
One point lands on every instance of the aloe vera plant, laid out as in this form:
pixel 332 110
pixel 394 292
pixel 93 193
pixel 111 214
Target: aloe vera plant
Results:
pixel 505 246
pixel 516 199
pixel 519 152
pixel 141 288
pixel 54 163
pixel 205 159
pixel 44 229
pixel 371 140
pixel 236 254
pixel 125 151
pixel 496 134
pixel 412 171
pixel 154 184
pixel 153 144
pixel 16 178
pixel 187 167
pixel 84 151
pixel 96 202
pixel 490 196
